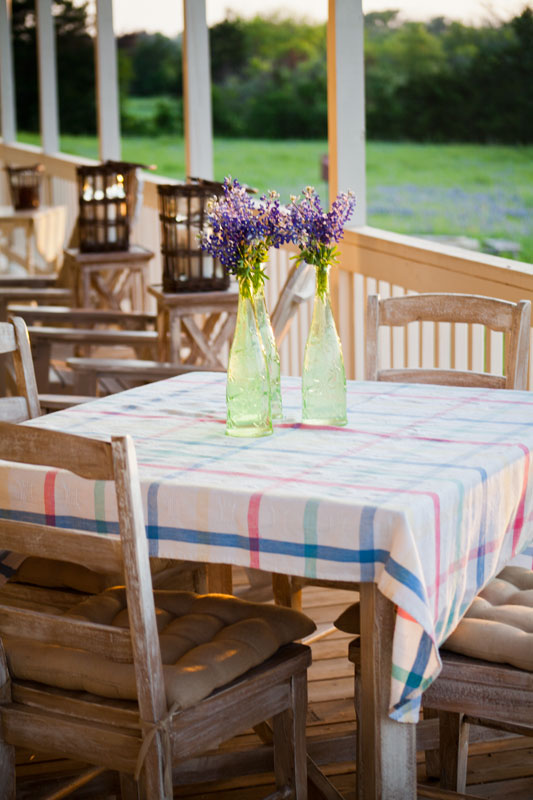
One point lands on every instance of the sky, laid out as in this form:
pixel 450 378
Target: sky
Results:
pixel 166 15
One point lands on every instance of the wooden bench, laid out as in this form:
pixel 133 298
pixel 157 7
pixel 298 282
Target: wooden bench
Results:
pixel 27 293
pixel 59 315
pixel 42 339
pixel 90 372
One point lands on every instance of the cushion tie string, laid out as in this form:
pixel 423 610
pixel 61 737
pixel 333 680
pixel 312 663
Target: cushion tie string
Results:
pixel 161 727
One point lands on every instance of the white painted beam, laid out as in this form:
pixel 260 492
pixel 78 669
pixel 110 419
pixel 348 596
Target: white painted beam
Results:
pixel 7 79
pixel 107 82
pixel 197 91
pixel 346 103
pixel 46 50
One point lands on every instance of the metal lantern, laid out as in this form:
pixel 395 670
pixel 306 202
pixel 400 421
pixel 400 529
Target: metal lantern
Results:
pixel 186 267
pixel 107 197
pixel 25 186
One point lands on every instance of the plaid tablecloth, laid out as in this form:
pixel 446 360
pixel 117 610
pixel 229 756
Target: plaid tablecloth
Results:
pixel 427 491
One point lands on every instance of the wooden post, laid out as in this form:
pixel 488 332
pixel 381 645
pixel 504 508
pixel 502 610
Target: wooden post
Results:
pixel 346 103
pixel 107 82
pixel 7 81
pixel 47 77
pixel 197 91
pixel 346 133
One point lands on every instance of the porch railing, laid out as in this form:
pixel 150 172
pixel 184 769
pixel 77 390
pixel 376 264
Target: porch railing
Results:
pixel 371 261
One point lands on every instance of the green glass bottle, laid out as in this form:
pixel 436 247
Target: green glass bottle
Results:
pixel 323 375
pixel 271 350
pixel 248 383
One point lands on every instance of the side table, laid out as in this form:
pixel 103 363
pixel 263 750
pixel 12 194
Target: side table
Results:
pixel 176 315
pixel 44 228
pixel 104 280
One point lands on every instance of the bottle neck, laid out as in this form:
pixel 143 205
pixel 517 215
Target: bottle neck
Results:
pixel 322 281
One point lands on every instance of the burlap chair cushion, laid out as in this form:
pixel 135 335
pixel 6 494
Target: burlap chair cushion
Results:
pixel 54 574
pixel 497 627
pixel 206 642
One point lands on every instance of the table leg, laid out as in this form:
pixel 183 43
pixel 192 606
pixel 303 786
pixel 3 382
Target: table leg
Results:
pixel 219 578
pixel 386 750
pixel 175 337
pixel 30 265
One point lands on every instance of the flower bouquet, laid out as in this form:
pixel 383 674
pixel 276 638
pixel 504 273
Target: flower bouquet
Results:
pixel 240 232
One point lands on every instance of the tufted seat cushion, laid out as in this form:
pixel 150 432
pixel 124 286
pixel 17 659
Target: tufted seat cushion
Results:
pixel 55 574
pixel 498 625
pixel 206 642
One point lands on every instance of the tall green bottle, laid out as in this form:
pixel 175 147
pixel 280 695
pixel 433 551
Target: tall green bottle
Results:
pixel 323 375
pixel 248 382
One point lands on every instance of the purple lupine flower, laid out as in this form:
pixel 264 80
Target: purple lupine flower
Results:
pixel 316 231
pixel 240 231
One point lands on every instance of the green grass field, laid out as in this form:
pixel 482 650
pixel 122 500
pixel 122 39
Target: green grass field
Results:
pixel 459 190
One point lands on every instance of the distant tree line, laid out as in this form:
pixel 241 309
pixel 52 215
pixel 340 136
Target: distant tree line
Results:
pixel 435 81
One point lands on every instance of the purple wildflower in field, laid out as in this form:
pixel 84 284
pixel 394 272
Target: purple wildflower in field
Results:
pixel 316 231
pixel 240 231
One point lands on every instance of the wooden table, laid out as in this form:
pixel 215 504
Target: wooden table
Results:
pixel 177 314
pixel 44 231
pixel 397 501
pixel 106 280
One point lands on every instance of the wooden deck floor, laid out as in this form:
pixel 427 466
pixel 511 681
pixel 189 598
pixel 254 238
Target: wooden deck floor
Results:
pixel 497 769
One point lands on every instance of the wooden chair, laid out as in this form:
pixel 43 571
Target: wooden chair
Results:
pixel 140 735
pixel 512 319
pixel 23 403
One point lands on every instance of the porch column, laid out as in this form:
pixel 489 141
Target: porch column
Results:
pixel 346 103
pixel 46 49
pixel 7 80
pixel 197 91
pixel 107 83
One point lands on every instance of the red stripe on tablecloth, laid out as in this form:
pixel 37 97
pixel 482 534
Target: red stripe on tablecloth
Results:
pixel 49 497
pixel 519 520
pixel 253 528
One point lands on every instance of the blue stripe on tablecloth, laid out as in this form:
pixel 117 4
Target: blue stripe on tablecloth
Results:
pixel 81 523
pixel 366 537
pixel 304 551
pixel 152 515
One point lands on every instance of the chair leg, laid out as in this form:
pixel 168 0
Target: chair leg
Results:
pixel 454 733
pixel 129 788
pixel 287 592
pixel 290 755
pixel 432 757
pixel 7 751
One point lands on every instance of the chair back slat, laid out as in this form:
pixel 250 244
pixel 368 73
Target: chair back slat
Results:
pixel 502 316
pixel 57 450
pixel 13 409
pixel 443 377
pixel 103 640
pixel 92 550
pixel 14 339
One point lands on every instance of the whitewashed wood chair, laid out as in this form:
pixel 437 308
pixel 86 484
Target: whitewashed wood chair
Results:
pixel 512 319
pixel 23 403
pixel 172 712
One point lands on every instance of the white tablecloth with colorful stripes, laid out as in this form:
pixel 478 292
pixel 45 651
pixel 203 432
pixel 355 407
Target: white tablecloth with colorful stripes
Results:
pixel 427 491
